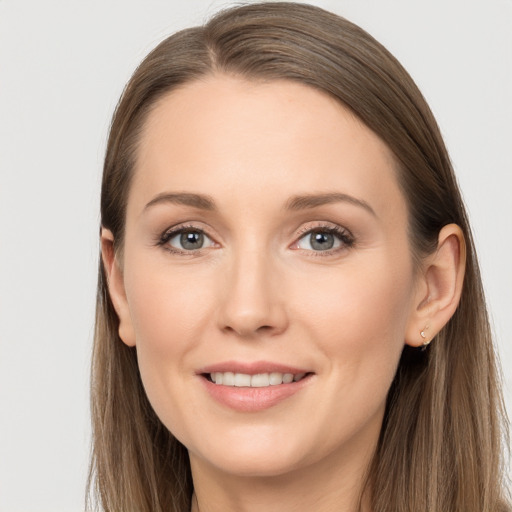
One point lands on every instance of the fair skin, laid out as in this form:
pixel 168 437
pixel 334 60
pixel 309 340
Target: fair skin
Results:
pixel 262 275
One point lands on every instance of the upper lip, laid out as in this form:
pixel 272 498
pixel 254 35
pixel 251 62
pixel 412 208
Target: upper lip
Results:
pixel 251 368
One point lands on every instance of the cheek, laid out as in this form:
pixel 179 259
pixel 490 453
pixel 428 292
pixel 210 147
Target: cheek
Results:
pixel 165 305
pixel 359 314
pixel 168 312
pixel 358 321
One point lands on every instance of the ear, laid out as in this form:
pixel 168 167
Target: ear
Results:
pixel 439 287
pixel 116 287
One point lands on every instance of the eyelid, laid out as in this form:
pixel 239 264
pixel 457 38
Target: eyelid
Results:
pixel 344 235
pixel 173 231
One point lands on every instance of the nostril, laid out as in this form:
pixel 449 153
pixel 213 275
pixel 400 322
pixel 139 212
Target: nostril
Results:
pixel 248 330
pixel 264 328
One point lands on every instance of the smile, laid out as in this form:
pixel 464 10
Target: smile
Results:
pixel 253 387
pixel 260 380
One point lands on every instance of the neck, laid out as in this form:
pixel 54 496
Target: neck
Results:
pixel 325 486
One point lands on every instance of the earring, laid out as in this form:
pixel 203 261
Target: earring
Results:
pixel 426 341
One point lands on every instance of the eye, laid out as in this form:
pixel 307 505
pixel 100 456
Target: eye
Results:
pixel 186 240
pixel 324 239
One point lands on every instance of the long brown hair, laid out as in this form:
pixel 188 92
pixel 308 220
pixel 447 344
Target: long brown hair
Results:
pixel 440 447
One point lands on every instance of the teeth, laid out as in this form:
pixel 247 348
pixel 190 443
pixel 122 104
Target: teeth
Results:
pixel 242 380
pixel 227 378
pixel 260 380
pixel 275 378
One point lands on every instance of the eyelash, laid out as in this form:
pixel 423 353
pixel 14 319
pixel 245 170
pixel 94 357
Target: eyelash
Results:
pixel 172 232
pixel 343 235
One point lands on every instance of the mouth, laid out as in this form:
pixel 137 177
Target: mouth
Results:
pixel 259 380
pixel 254 387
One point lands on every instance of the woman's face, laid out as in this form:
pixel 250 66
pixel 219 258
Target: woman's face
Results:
pixel 266 235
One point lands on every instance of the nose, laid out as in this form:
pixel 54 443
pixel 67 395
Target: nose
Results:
pixel 253 304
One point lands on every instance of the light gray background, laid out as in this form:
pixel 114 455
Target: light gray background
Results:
pixel 63 65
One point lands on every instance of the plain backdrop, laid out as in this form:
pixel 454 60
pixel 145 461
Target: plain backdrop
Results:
pixel 63 65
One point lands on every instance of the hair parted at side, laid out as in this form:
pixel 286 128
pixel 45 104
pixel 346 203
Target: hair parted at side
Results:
pixel 441 443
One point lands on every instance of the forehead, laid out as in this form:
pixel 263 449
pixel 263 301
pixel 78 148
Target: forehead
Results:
pixel 229 137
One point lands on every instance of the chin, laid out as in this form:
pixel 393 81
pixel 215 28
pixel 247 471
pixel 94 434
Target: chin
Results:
pixel 255 452
pixel 253 465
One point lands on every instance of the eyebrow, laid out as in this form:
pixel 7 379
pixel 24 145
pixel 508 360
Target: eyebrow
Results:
pixel 184 198
pixel 314 200
pixel 296 203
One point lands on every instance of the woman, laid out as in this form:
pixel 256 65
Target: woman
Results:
pixel 290 314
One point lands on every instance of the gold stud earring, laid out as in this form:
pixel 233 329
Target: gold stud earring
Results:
pixel 426 341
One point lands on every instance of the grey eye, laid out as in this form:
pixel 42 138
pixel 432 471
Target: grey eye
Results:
pixel 319 240
pixel 190 240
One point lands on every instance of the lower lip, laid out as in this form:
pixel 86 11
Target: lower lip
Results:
pixel 245 399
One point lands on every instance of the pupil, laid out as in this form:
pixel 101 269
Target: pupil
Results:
pixel 191 240
pixel 322 241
